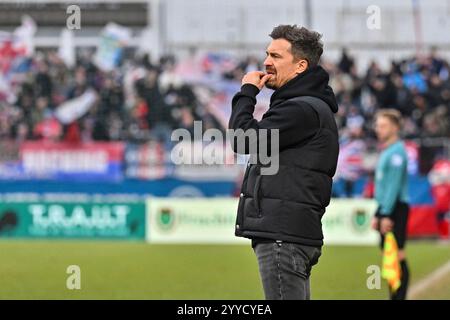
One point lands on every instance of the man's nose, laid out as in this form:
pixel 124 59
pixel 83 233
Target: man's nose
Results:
pixel 268 62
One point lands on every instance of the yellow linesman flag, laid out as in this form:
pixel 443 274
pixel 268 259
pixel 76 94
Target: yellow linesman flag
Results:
pixel 391 265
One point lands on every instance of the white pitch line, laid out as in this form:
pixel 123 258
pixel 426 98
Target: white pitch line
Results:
pixel 434 277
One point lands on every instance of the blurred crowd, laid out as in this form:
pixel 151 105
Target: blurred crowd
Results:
pixel 133 102
pixel 141 100
pixel 418 87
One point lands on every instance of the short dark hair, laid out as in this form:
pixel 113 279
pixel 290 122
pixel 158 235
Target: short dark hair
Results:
pixel 305 44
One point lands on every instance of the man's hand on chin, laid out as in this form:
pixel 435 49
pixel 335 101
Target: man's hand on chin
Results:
pixel 256 78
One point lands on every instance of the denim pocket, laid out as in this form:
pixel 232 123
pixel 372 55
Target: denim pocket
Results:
pixel 304 258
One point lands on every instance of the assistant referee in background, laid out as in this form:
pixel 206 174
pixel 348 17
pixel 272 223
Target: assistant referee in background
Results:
pixel 391 189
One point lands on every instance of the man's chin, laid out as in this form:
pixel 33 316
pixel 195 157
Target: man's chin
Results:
pixel 271 86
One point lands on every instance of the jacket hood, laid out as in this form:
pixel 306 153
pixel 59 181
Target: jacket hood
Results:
pixel 312 82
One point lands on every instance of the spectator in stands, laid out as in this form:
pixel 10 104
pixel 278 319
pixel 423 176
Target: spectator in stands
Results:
pixel 351 155
pixel 346 63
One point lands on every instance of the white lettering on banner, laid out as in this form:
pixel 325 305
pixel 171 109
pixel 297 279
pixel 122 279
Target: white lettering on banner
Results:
pixel 101 217
pixel 66 161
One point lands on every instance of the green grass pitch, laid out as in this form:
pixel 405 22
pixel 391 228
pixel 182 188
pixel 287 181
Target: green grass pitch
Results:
pixel 132 270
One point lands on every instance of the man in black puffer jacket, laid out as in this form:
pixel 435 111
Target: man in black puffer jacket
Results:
pixel 282 212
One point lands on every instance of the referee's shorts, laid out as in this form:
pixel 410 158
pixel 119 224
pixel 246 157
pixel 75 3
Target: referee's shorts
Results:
pixel 400 217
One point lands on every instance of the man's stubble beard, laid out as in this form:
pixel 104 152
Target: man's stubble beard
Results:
pixel 271 86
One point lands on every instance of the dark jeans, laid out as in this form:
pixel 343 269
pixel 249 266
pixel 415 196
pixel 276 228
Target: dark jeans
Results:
pixel 285 269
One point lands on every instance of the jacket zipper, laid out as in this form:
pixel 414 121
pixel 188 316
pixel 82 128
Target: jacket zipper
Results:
pixel 241 204
pixel 256 195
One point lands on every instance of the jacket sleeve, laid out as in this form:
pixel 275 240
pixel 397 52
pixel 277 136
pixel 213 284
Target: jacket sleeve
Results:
pixel 295 121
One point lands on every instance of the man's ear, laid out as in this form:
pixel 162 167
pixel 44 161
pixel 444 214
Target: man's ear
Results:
pixel 302 65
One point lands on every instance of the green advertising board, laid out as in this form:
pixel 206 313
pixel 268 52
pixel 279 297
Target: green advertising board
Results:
pixel 347 221
pixel 212 220
pixel 43 219
pixel 192 220
pixel 166 220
